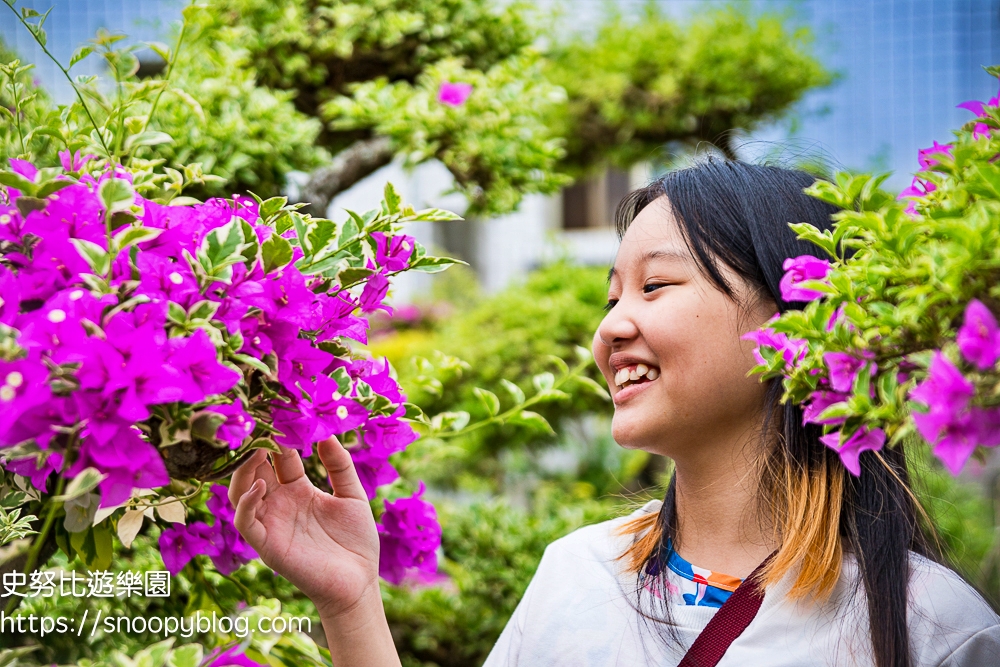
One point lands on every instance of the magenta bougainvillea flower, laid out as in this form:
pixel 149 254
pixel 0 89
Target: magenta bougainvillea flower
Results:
pixel 454 94
pixel 36 469
pixel 979 108
pixel 195 309
pixel 928 157
pixel 238 425
pixel 918 188
pixel 945 391
pixel 374 294
pixel 221 541
pixel 393 252
pixel 819 401
pixel 231 657
pixel 844 368
pixel 950 425
pixel 409 536
pixel 798 270
pixel 73 161
pixel 979 336
pixel 792 351
pixel 864 439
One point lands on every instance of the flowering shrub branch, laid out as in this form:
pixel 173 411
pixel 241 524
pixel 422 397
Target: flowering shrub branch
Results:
pixel 898 338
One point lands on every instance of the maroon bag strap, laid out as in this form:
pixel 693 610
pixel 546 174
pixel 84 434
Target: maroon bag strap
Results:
pixel 728 623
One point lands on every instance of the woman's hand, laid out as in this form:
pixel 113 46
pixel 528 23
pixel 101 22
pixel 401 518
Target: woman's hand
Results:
pixel 326 545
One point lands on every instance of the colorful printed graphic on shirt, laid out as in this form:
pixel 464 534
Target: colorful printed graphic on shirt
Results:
pixel 691 584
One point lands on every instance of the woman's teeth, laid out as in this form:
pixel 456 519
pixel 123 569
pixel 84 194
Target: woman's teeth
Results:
pixel 634 373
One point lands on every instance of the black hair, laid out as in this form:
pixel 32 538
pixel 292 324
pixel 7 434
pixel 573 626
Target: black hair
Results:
pixel 738 214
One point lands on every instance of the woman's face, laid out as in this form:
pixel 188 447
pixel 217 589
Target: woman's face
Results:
pixel 669 320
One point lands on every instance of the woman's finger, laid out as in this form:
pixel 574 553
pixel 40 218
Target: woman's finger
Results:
pixel 340 467
pixel 245 520
pixel 245 475
pixel 288 465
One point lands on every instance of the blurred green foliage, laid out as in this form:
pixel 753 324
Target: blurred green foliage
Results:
pixel 21 92
pixel 220 116
pixel 507 337
pixel 964 516
pixel 649 80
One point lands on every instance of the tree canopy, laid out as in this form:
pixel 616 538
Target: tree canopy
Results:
pixel 339 88
pixel 546 106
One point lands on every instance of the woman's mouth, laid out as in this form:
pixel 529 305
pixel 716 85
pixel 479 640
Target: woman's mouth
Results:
pixel 632 379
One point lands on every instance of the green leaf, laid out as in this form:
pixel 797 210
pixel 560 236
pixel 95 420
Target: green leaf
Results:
pixel 429 264
pixel 319 238
pixel 26 204
pixel 488 399
pixel 594 386
pixel 96 256
pixel 53 187
pixel 253 362
pixel 147 138
pixel 353 275
pixel 103 546
pixel 343 380
pixel 415 413
pixel 80 54
pixel 276 252
pixel 532 420
pixel 188 655
pixel 117 194
pixel 270 207
pixel 223 247
pixel 436 215
pixel 514 391
pixel 85 481
pixel 134 236
pixel 543 381
pixel 176 313
pixel 808 232
pixel 160 49
pixel 12 180
pixel 391 199
pixel 203 310
pixel 450 421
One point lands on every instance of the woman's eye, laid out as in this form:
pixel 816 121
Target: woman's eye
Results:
pixel 610 304
pixel 646 289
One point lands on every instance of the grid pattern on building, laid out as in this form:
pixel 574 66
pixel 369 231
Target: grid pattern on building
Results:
pixel 73 22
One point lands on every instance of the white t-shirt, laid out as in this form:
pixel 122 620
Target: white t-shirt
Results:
pixel 578 611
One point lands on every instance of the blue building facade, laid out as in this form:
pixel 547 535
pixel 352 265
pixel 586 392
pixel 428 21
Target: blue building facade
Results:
pixel 903 65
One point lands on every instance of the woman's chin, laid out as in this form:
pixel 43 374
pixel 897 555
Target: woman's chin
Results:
pixel 632 435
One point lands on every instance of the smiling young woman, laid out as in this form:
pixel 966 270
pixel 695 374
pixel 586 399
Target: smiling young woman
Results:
pixel 764 551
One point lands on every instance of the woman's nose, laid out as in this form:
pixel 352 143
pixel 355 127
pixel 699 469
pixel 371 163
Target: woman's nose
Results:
pixel 617 326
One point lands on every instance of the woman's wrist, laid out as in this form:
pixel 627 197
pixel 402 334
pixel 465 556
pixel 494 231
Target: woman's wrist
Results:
pixel 358 635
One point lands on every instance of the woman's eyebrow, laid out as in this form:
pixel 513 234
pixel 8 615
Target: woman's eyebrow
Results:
pixel 650 255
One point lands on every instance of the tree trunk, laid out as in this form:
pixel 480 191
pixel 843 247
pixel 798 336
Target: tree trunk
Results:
pixel 348 167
